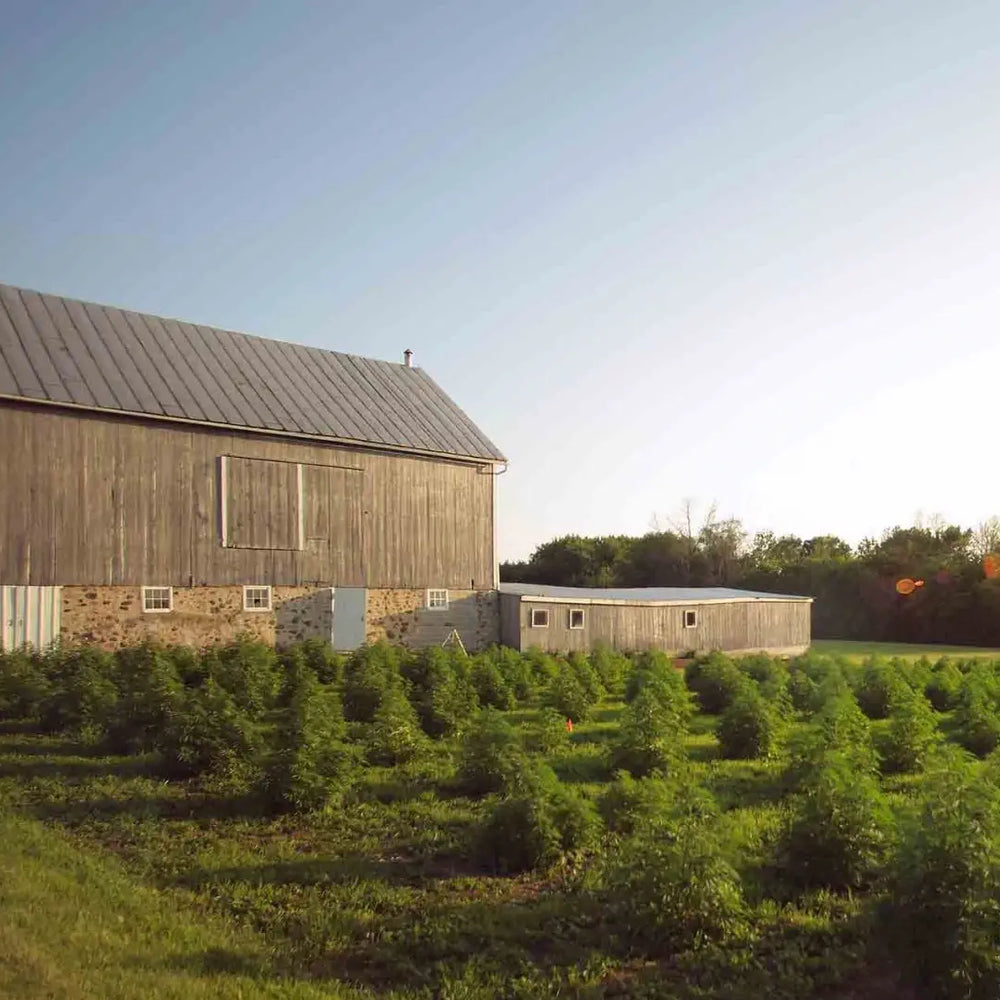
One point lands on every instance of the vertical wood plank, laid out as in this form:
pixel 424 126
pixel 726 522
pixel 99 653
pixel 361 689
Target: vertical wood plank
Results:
pixel 117 501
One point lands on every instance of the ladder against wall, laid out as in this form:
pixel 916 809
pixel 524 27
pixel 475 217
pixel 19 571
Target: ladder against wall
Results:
pixel 453 639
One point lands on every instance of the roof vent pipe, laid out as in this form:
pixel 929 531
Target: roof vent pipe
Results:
pixel 408 358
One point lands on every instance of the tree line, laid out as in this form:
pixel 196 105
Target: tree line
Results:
pixel 957 599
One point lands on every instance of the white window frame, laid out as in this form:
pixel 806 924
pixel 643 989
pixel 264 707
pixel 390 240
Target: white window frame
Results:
pixel 147 592
pixel 540 611
pixel 266 587
pixel 693 612
pixel 437 599
pixel 583 618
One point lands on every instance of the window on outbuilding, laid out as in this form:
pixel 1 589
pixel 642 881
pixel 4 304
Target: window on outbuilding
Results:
pixel 256 598
pixel 690 619
pixel 437 600
pixel 576 617
pixel 539 617
pixel 157 599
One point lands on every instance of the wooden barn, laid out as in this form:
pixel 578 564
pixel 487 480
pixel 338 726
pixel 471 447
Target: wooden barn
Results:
pixel 166 479
pixel 673 619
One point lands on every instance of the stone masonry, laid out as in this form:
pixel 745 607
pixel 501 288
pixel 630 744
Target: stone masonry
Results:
pixel 112 617
pixel 402 616
pixel 201 616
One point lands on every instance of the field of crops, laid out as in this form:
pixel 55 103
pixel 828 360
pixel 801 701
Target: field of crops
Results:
pixel 247 823
pixel 856 650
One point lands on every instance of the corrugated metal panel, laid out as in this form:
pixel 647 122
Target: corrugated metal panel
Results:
pixel 64 351
pixel 30 616
pixel 642 595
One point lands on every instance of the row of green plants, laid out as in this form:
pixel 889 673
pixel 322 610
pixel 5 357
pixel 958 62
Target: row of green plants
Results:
pixel 295 730
pixel 291 725
pixel 759 698
pixel 665 880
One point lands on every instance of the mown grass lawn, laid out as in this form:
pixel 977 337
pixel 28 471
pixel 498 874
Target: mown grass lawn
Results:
pixel 75 924
pixel 859 650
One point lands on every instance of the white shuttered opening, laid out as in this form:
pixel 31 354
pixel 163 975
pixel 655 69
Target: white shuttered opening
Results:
pixel 29 616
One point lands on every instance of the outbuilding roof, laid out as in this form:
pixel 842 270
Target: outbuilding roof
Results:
pixel 80 354
pixel 641 595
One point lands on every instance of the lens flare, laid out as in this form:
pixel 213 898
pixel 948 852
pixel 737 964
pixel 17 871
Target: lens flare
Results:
pixel 905 586
pixel 991 566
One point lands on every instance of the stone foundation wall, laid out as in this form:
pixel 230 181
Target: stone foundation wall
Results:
pixel 401 616
pixel 112 617
pixel 201 616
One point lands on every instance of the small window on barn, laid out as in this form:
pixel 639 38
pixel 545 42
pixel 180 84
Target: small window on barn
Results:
pixel 576 618
pixel 256 598
pixel 437 600
pixel 690 619
pixel 539 617
pixel 158 599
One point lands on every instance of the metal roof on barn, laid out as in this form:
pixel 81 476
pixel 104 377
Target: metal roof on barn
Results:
pixel 80 354
pixel 641 595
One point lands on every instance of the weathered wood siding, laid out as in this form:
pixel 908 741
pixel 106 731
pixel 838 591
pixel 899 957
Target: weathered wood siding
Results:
pixel 736 625
pixel 263 507
pixel 510 621
pixel 94 499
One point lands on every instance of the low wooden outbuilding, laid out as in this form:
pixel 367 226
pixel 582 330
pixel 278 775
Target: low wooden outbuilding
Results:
pixel 673 619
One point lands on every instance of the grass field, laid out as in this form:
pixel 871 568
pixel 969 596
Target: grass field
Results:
pixel 75 924
pixel 859 650
pixel 116 882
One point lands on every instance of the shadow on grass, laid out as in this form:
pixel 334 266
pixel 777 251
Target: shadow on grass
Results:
pixel 522 715
pixel 527 937
pixel 550 934
pixel 36 745
pixel 168 806
pixel 580 768
pixel 17 727
pixel 74 768
pixel 602 736
pixel 607 714
pixel 398 870
pixel 702 750
pixel 215 962
pixel 701 724
pixel 737 783
pixel 390 790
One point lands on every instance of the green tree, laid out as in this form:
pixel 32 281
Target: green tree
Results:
pixel 651 734
pixel 826 547
pixel 308 764
pixel 912 733
pixel 673 891
pixel 943 909
pixel 839 827
pixel 772 554
pixel 750 728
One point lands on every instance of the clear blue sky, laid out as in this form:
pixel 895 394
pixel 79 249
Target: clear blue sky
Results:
pixel 747 252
